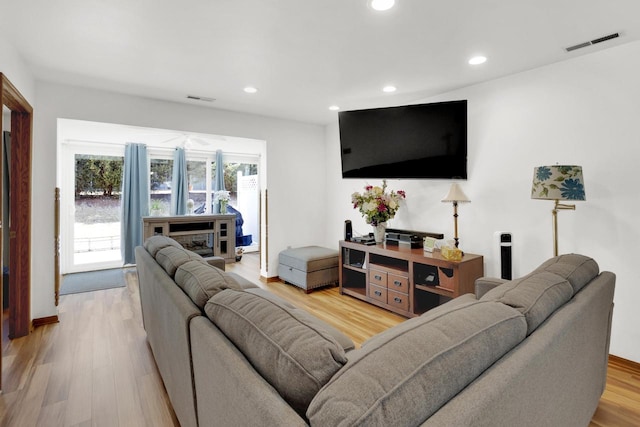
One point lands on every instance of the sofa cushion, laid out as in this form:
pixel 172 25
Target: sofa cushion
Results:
pixel 244 283
pixel 170 258
pixel 537 296
pixel 292 353
pixel 454 304
pixel 201 281
pixel 341 338
pixel 154 243
pixel 577 269
pixel 416 367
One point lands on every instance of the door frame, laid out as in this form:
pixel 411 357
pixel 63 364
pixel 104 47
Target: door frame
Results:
pixel 20 193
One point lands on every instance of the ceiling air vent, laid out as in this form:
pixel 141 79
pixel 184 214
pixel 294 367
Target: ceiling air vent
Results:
pixel 200 98
pixel 592 42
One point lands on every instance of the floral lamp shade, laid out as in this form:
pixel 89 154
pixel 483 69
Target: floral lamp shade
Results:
pixel 558 182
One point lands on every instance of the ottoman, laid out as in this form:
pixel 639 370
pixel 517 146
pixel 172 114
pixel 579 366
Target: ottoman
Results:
pixel 308 267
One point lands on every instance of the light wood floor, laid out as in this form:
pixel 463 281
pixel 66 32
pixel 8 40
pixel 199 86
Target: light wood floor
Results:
pixel 95 368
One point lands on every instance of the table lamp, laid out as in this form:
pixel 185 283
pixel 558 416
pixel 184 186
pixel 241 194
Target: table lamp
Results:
pixel 558 183
pixel 455 195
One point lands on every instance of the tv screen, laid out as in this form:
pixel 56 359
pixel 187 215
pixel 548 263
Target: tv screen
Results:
pixel 411 141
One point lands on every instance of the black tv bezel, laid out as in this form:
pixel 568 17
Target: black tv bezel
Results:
pixel 414 172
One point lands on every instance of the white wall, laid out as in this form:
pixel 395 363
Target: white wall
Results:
pixel 13 67
pixel 583 111
pixel 294 176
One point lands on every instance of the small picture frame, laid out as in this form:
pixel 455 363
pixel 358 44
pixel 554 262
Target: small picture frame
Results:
pixel 429 244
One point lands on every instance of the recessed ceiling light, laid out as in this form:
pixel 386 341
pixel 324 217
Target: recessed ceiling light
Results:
pixel 250 89
pixel 389 89
pixel 334 108
pixel 381 4
pixel 477 60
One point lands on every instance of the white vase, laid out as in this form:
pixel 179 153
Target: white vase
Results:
pixel 379 231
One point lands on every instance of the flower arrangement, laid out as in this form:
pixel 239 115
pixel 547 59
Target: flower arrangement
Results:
pixel 376 204
pixel 221 196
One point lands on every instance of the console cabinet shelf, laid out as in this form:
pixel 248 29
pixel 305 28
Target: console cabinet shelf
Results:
pixel 404 280
pixel 207 235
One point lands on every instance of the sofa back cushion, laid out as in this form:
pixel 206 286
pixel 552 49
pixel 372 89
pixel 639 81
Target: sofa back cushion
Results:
pixel 154 243
pixel 290 350
pixel 407 373
pixel 200 281
pixel 536 296
pixel 171 257
pixel 577 269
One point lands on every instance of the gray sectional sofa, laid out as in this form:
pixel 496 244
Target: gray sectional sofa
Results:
pixel 532 351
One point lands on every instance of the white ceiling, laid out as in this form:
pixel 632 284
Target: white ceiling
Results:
pixel 302 55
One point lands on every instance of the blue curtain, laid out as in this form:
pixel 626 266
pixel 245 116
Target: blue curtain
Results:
pixel 135 199
pixel 218 179
pixel 179 187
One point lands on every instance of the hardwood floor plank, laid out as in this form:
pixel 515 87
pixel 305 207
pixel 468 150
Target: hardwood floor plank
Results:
pixel 95 367
pixel 80 398
pixel 52 415
pixel 104 401
pixel 155 403
pixel 31 404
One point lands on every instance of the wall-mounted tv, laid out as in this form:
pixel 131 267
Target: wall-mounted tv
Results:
pixel 411 141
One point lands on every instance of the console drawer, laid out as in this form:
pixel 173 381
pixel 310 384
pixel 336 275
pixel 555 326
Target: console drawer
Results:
pixel 398 283
pixel 398 300
pixel 378 293
pixel 378 277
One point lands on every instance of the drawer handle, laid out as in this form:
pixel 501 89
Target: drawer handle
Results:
pixel 398 300
pixel 397 283
pixel 377 277
pixel 378 293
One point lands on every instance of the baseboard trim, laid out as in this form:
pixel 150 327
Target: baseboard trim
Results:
pixel 625 363
pixel 45 321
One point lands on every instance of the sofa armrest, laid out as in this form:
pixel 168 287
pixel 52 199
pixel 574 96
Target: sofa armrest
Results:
pixel 485 284
pixel 216 261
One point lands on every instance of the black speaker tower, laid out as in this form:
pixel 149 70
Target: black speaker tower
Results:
pixel 505 256
pixel 348 231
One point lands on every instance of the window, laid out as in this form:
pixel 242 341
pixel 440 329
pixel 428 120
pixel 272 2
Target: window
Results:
pixel 161 171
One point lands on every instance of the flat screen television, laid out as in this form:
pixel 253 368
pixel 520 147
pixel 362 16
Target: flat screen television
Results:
pixel 411 141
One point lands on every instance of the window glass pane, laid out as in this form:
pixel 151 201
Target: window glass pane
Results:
pixel 197 181
pixel 231 170
pixel 98 183
pixel 241 180
pixel 161 173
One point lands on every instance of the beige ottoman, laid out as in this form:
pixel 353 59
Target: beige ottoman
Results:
pixel 308 267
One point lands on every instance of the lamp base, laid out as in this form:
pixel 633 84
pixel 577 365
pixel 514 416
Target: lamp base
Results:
pixel 558 206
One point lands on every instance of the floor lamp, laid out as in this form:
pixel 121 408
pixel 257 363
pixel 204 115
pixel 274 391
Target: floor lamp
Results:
pixel 455 195
pixel 558 183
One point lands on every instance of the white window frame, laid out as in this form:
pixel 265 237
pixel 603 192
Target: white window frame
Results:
pixel 67 196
